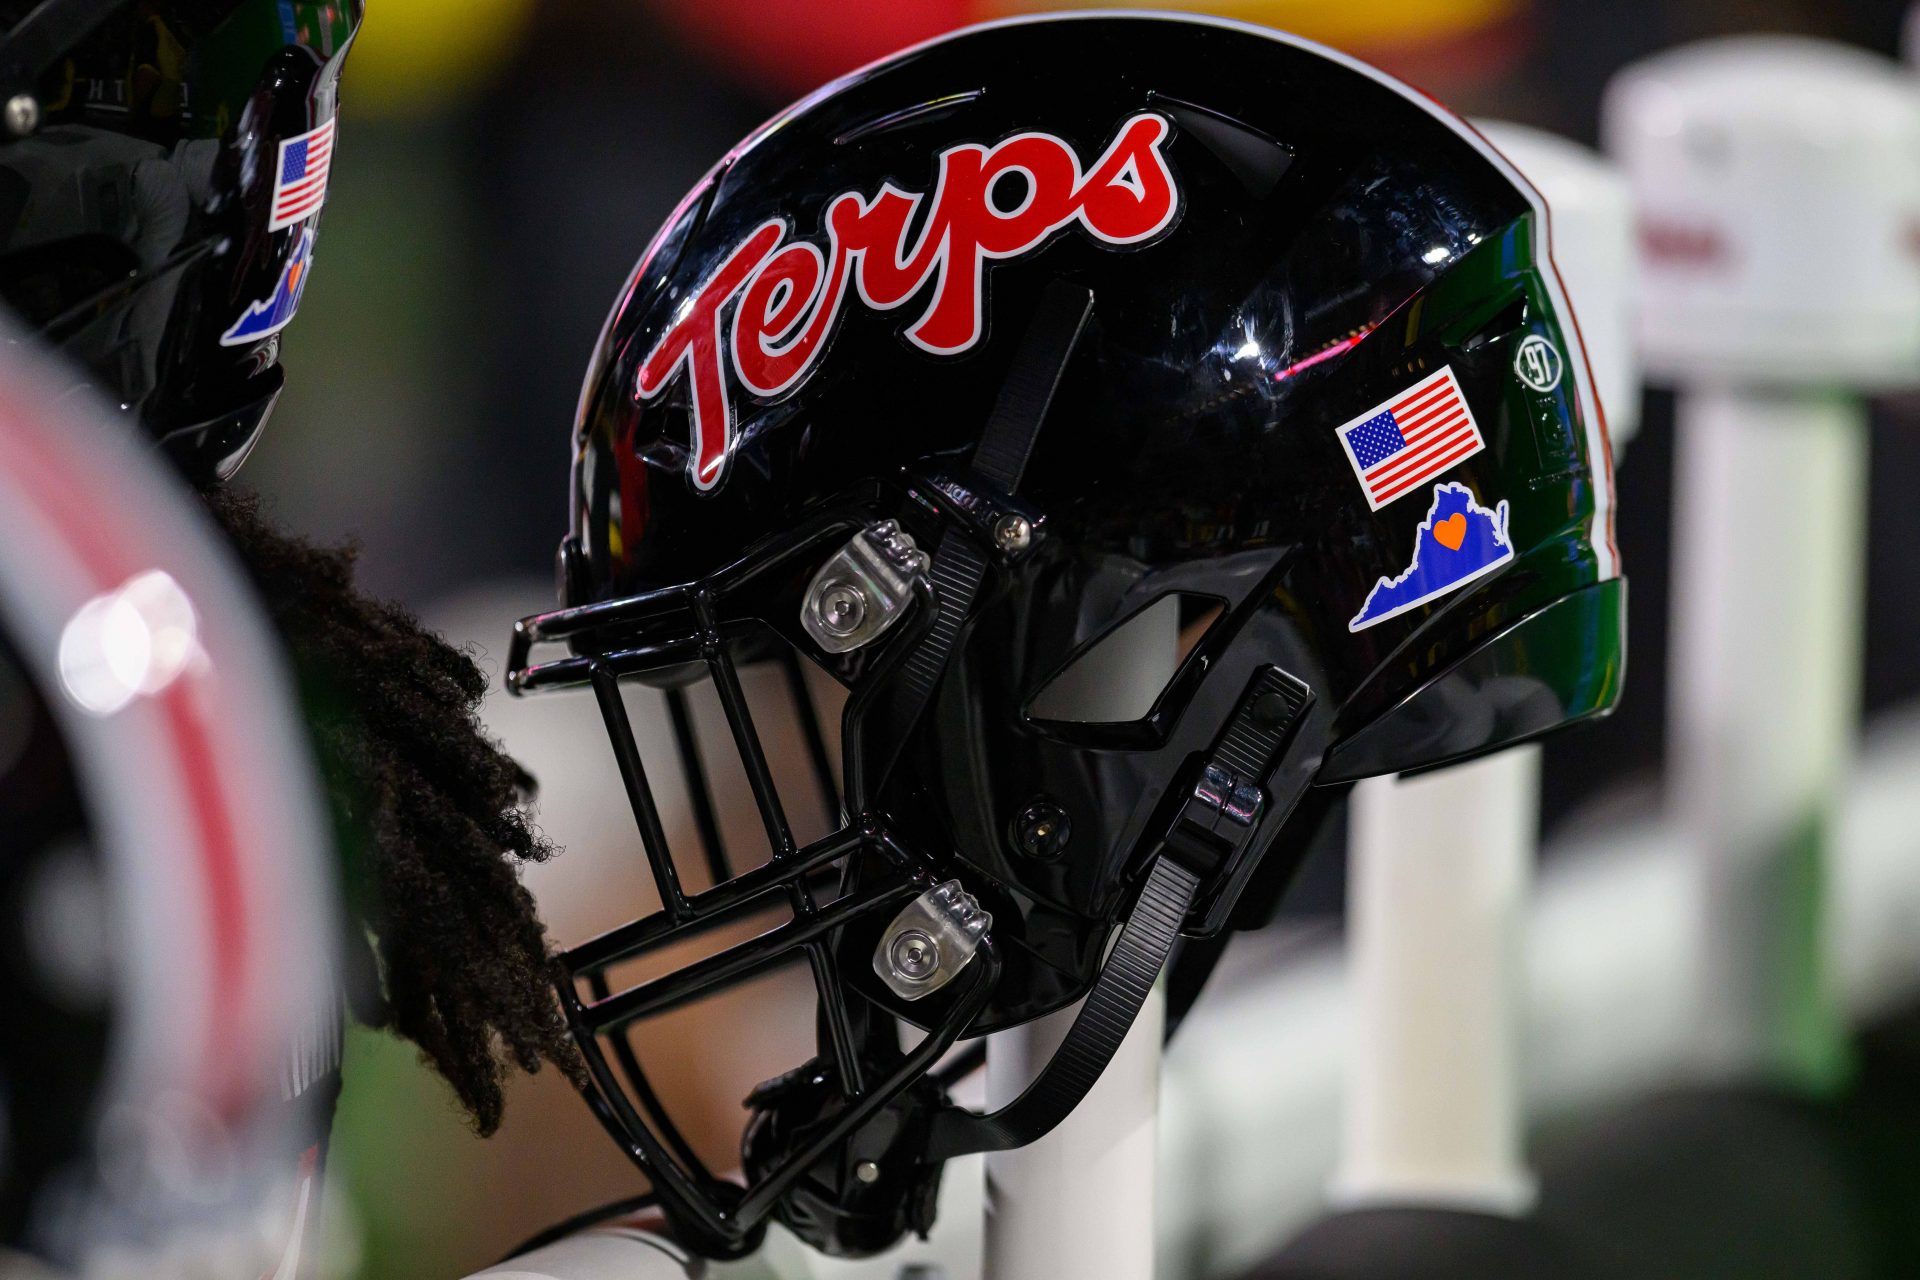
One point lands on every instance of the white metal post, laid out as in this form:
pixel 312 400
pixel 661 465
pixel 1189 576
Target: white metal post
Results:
pixel 1438 875
pixel 1439 865
pixel 1777 181
pixel 1079 1204
pixel 1764 693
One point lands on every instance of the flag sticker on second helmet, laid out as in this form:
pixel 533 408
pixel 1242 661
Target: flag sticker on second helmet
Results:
pixel 300 181
pixel 1403 442
pixel 1460 540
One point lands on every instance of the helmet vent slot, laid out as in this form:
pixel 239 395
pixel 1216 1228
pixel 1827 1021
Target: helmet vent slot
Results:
pixel 1256 158
pixel 1121 675
pixel 920 113
pixel 1504 322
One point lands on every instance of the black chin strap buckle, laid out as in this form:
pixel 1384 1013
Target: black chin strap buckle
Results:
pixel 1004 526
pixel 1216 826
pixel 870 1189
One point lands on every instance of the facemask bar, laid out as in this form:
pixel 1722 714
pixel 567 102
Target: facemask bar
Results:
pixel 672 628
pixel 682 624
pixel 1219 820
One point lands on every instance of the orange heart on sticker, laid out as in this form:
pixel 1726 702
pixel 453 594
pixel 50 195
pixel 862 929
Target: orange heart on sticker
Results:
pixel 1452 531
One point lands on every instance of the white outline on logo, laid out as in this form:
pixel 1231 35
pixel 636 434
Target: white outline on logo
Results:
pixel 1600 535
pixel 815 320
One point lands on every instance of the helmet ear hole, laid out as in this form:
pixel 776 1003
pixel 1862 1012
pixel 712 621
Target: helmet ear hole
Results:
pixel 1505 321
pixel 1121 675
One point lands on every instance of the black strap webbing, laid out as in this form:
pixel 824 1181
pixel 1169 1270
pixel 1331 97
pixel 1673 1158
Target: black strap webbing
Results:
pixel 959 565
pixel 1032 378
pixel 1244 753
pixel 1097 1031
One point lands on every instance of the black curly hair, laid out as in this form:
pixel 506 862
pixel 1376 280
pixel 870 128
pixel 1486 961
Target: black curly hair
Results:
pixel 430 812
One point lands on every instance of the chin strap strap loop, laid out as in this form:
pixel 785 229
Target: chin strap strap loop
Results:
pixel 1210 835
pixel 1135 962
pixel 959 564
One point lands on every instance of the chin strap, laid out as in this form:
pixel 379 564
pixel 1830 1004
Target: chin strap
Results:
pixel 1110 1008
pixel 1211 832
pixel 959 562
pixel 1215 828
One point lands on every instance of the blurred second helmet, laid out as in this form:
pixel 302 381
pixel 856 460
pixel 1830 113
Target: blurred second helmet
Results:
pixel 169 1021
pixel 940 388
pixel 163 164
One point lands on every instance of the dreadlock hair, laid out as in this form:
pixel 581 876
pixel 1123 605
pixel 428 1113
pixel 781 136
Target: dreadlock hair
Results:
pixel 429 809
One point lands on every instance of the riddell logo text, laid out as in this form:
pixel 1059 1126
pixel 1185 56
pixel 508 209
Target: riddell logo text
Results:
pixel 791 290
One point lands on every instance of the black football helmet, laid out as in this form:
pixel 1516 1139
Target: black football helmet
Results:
pixel 162 168
pixel 935 385
pixel 167 892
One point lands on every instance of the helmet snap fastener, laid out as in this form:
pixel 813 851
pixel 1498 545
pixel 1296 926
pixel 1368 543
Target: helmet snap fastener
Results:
pixel 840 608
pixel 863 589
pixel 914 955
pixel 932 939
pixel 1041 830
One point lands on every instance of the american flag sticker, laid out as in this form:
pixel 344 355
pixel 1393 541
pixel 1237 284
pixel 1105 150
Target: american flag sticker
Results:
pixel 1400 444
pixel 300 182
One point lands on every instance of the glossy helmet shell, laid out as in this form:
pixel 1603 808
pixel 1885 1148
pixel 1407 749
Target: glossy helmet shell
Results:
pixel 1338 238
pixel 139 231
pixel 1273 242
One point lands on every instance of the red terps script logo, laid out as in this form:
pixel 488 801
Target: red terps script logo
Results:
pixel 791 290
